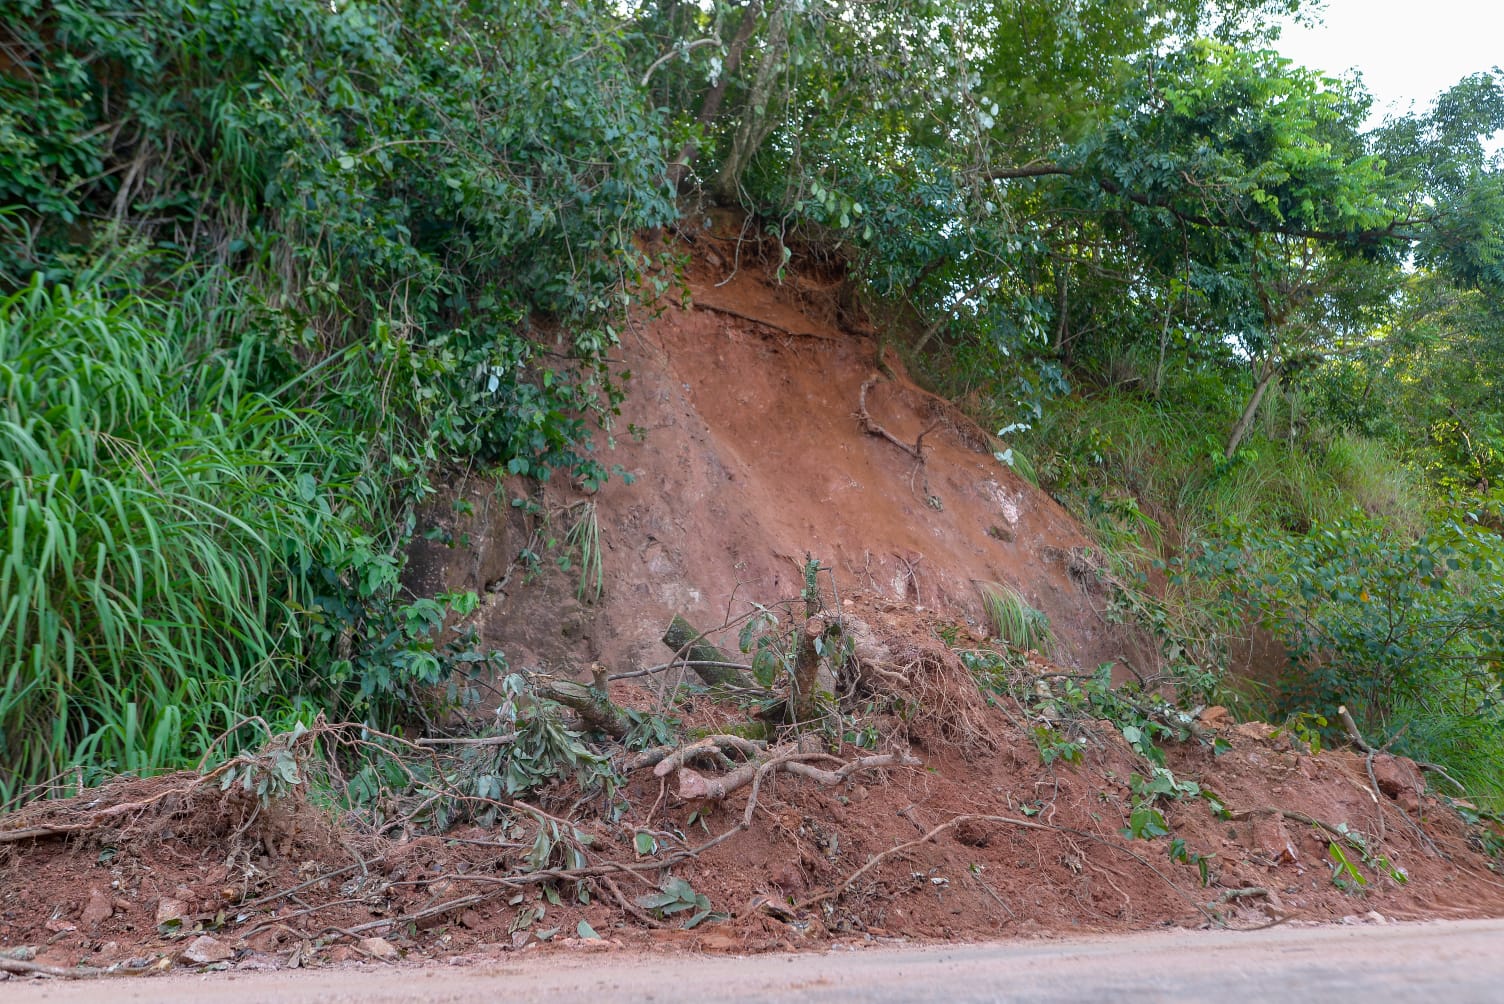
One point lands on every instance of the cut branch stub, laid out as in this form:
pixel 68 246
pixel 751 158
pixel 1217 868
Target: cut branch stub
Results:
pixel 709 663
pixel 592 705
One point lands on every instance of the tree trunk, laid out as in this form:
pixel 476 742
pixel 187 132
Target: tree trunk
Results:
pixel 708 661
pixel 1268 371
pixel 711 106
pixel 754 123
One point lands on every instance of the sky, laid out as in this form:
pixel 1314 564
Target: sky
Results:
pixel 1407 50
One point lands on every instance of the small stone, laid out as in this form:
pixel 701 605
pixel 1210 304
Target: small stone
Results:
pixel 1376 917
pixel 588 944
pixel 1216 717
pixel 204 950
pixel 470 919
pixel 99 908
pixel 169 910
pixel 379 948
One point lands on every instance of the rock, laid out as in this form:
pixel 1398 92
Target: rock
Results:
pixel 1376 917
pixel 1271 840
pixel 788 879
pixel 471 920
pixel 379 948
pixel 204 950
pixel 718 941
pixel 1395 775
pixel 1256 731
pixel 99 908
pixel 169 910
pixel 588 944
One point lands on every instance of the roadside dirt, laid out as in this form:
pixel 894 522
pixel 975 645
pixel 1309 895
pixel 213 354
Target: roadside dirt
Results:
pixel 751 454
pixel 1452 961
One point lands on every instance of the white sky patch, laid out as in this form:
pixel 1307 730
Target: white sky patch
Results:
pixel 1407 50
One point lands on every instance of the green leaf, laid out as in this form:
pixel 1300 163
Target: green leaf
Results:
pixel 586 931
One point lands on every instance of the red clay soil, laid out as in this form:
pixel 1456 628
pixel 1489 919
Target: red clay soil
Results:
pixel 753 454
pixel 981 841
pixel 741 430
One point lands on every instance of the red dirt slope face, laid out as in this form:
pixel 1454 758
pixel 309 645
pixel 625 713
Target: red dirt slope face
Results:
pixel 742 432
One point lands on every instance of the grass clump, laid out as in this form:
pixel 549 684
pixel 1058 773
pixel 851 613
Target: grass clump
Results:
pixel 151 505
pixel 1014 620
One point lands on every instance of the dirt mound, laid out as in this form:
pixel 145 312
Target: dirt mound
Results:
pixel 936 843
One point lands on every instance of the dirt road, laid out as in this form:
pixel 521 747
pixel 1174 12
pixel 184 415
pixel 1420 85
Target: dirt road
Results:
pixel 1452 961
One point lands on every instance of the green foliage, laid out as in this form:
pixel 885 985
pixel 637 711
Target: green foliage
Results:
pixel 425 181
pixel 390 236
pixel 1202 862
pixel 183 551
pixel 1345 874
pixel 544 748
pixel 1013 620
pixel 678 896
pixel 584 536
pixel 151 498
pixel 1371 620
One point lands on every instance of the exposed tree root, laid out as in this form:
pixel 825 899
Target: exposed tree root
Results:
pixel 22 967
pixel 696 785
pixel 872 428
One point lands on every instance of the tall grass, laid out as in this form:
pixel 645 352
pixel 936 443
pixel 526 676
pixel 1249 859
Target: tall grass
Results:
pixel 1014 620
pixel 152 504
pixel 1469 746
pixel 1170 459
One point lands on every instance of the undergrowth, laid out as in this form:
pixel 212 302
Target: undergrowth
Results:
pixel 269 268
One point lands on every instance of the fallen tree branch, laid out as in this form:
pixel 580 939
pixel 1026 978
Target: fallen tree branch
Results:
pixel 505 740
pixel 590 703
pixel 1228 895
pixel 709 662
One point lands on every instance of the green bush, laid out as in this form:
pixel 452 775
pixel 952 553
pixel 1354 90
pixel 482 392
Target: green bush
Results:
pixel 1372 619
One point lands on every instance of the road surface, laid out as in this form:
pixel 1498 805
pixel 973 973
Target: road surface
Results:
pixel 1452 962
